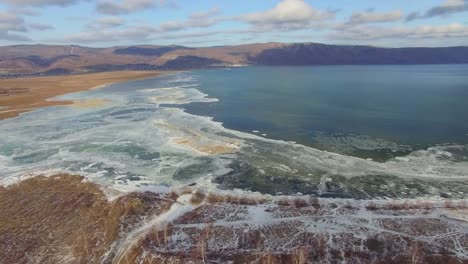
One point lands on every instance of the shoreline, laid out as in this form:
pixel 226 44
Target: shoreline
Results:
pixel 20 95
pixel 197 135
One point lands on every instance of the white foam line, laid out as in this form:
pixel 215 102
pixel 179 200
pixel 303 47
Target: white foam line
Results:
pixel 419 164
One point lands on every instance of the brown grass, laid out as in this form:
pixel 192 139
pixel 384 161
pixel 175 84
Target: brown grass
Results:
pixel 415 254
pixel 268 258
pixel 36 90
pixel 283 201
pixel 371 206
pixel 197 198
pixel 56 217
pixel 299 202
pixel 215 198
pixel 424 205
pixel 314 201
pixel 160 237
pixel 235 199
pixel 173 195
pixel 232 199
pixel 300 255
pixel 245 200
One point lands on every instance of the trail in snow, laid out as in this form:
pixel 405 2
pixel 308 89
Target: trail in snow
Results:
pixel 179 208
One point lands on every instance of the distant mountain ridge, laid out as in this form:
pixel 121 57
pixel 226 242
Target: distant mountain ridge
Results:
pixel 23 60
pixel 320 54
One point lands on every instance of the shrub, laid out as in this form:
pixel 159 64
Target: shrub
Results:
pixel 300 203
pixel 371 206
pixel 314 201
pixel 300 255
pixel 197 198
pixel 283 201
pixel 214 198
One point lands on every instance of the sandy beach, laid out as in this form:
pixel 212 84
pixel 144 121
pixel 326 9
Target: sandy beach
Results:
pixel 20 95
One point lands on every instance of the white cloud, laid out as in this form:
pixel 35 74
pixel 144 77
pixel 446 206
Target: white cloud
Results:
pixel 138 33
pixel 446 8
pixel 10 22
pixel 375 17
pixel 24 11
pixel 109 21
pixel 454 30
pixel 129 6
pixel 215 11
pixel 196 20
pixel 102 29
pixel 40 3
pixel 287 15
pixel 40 27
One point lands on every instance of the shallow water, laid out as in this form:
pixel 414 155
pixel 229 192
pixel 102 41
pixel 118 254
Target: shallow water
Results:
pixel 138 136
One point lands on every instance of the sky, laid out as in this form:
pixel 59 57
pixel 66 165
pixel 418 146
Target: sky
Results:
pixel 195 23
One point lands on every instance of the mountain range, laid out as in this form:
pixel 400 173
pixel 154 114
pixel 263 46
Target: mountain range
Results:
pixel 24 60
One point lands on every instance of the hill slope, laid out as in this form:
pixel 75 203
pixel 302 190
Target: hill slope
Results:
pixel 47 59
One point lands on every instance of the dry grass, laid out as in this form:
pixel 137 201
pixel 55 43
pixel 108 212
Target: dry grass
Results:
pixel 423 205
pixel 407 205
pixel 300 255
pixel 415 254
pixel 283 201
pixel 160 237
pixel 215 198
pixel 84 225
pixel 268 258
pixel 232 199
pixel 197 198
pixel 36 90
pixel 173 195
pixel 314 201
pixel 371 206
pixel 299 202
pixel 396 206
pixel 244 200
pixel 62 216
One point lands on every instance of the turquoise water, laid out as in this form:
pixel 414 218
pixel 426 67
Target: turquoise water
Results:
pixel 367 111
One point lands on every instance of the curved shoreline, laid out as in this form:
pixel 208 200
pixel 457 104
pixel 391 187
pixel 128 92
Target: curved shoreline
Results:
pixel 68 219
pixel 21 95
pixel 305 171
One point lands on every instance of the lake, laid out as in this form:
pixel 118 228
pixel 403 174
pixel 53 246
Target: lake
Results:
pixel 335 131
pixel 368 111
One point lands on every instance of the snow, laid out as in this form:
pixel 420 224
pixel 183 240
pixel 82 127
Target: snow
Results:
pixel 179 208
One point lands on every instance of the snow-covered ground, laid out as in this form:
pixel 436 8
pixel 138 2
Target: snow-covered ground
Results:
pixel 235 228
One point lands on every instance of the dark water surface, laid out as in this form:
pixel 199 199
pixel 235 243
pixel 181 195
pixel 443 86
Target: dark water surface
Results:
pixel 365 132
pixel 367 111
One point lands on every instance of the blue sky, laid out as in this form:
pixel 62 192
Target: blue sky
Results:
pixel 100 23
